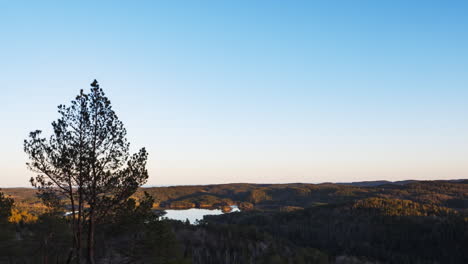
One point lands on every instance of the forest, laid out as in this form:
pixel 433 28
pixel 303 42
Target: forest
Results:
pixel 415 222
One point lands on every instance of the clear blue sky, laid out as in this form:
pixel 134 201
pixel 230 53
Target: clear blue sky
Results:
pixel 249 91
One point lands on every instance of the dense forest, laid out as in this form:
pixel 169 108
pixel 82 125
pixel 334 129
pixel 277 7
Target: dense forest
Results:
pixel 451 194
pixel 413 222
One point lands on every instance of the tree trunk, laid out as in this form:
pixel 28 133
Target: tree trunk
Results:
pixel 80 226
pixel 75 231
pixel 91 238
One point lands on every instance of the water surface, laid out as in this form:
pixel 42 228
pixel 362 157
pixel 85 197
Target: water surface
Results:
pixel 194 214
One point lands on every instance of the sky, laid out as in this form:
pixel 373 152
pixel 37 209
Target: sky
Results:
pixel 248 91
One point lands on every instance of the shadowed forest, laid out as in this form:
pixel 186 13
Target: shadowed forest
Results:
pixel 414 222
pixel 88 206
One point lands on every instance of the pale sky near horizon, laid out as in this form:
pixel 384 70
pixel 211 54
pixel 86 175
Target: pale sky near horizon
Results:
pixel 249 91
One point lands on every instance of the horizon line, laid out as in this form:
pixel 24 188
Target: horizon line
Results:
pixel 257 183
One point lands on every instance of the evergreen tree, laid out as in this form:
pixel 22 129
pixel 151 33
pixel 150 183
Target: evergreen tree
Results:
pixel 86 160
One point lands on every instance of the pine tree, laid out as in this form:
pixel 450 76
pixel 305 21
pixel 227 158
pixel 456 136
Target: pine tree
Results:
pixel 86 160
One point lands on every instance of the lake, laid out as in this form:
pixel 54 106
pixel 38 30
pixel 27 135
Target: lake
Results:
pixel 194 214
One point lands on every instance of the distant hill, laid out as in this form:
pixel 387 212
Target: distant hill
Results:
pixel 384 182
pixel 375 183
pixel 21 194
pixel 292 196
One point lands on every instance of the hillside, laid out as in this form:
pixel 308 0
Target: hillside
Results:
pixel 409 222
pixel 283 196
pixel 286 197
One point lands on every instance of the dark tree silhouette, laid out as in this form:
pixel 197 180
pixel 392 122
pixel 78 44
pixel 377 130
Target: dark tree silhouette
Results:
pixel 6 204
pixel 86 160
